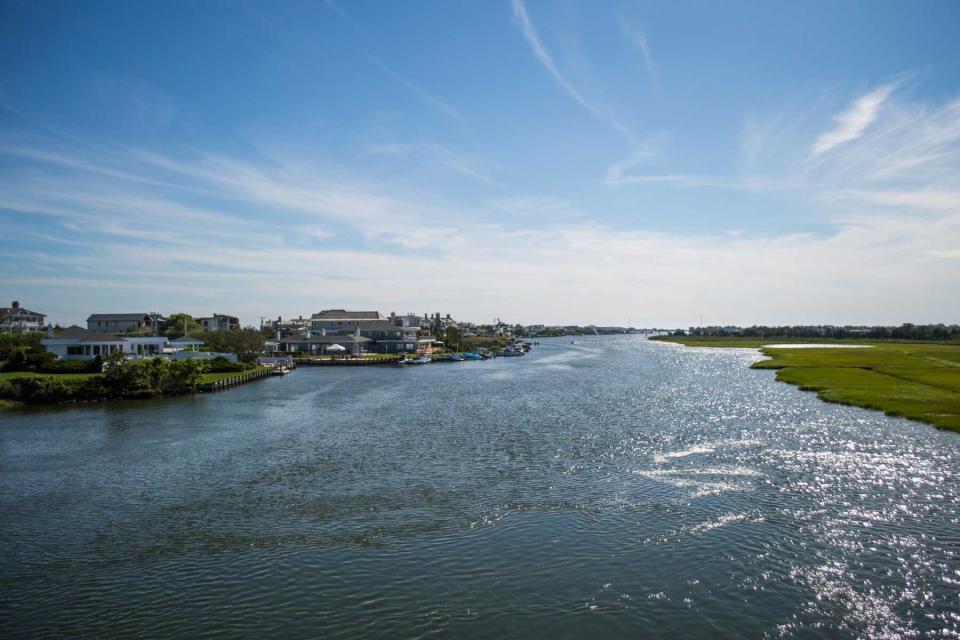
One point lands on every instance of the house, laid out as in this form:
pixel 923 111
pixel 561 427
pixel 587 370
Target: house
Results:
pixel 77 343
pixel 411 320
pixel 124 322
pixel 389 338
pixel 343 320
pixel 320 343
pixel 219 322
pixel 16 319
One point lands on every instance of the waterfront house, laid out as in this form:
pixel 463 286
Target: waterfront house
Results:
pixel 77 343
pixel 318 344
pixel 123 322
pixel 219 322
pixel 390 338
pixel 16 319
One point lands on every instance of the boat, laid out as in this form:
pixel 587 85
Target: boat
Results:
pixel 472 356
pixel 279 371
pixel 422 360
pixel 508 352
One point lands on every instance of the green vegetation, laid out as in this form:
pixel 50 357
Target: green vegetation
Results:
pixel 907 331
pixel 246 343
pixel 483 342
pixel 916 380
pixel 121 379
pixel 176 324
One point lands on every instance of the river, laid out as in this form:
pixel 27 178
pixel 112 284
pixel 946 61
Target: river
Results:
pixel 613 487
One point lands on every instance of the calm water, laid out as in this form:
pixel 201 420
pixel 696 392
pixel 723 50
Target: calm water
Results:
pixel 608 488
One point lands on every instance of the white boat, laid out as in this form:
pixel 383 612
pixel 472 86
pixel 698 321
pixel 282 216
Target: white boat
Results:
pixel 508 352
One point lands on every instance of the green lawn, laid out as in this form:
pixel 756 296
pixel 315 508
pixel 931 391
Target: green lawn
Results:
pixel 7 375
pixel 916 380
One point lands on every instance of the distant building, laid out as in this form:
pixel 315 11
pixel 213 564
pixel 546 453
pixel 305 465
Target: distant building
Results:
pixel 16 319
pixel 218 322
pixel 123 322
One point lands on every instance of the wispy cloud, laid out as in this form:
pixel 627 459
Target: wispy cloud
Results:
pixel 522 19
pixel 852 122
pixel 640 40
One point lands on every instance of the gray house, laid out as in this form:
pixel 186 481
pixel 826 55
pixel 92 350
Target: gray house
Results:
pixel 219 322
pixel 343 320
pixel 123 322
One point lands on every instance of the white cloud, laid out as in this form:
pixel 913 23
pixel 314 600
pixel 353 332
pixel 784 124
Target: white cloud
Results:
pixel 851 124
pixel 251 238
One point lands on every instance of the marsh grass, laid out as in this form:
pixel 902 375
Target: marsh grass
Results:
pixel 915 380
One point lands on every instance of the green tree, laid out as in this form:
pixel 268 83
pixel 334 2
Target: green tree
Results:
pixel 246 343
pixel 175 326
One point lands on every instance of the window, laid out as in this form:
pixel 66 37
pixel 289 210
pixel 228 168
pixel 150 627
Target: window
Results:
pixel 75 351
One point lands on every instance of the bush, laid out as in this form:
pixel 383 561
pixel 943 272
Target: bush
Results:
pixel 72 366
pixel 222 365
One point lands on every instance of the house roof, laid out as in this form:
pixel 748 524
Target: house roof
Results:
pixel 342 314
pixel 117 317
pixel 72 332
pixel 348 339
pixel 96 336
pixel 11 312
pixel 82 335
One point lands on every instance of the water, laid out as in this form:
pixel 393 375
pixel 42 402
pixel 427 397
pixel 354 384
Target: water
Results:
pixel 608 488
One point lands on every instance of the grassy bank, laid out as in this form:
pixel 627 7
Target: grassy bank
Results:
pixel 916 380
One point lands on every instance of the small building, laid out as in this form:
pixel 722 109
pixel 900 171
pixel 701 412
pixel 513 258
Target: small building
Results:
pixel 186 343
pixel 16 319
pixel 123 322
pixel 219 322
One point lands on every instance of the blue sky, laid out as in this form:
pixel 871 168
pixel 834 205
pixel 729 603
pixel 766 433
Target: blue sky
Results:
pixel 557 162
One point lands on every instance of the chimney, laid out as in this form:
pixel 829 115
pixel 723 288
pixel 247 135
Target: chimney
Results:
pixel 50 330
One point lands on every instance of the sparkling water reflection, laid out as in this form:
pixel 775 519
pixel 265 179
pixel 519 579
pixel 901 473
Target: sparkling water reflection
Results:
pixel 610 487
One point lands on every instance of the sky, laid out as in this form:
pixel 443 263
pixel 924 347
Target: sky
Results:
pixel 549 162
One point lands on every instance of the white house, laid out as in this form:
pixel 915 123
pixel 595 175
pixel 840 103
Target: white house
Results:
pixel 76 343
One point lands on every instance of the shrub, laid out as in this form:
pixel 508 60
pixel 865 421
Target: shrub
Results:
pixel 222 365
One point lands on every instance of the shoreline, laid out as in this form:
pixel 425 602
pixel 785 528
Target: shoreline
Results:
pixel 916 380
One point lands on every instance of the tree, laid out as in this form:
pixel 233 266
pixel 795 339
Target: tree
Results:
pixel 246 343
pixel 175 326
